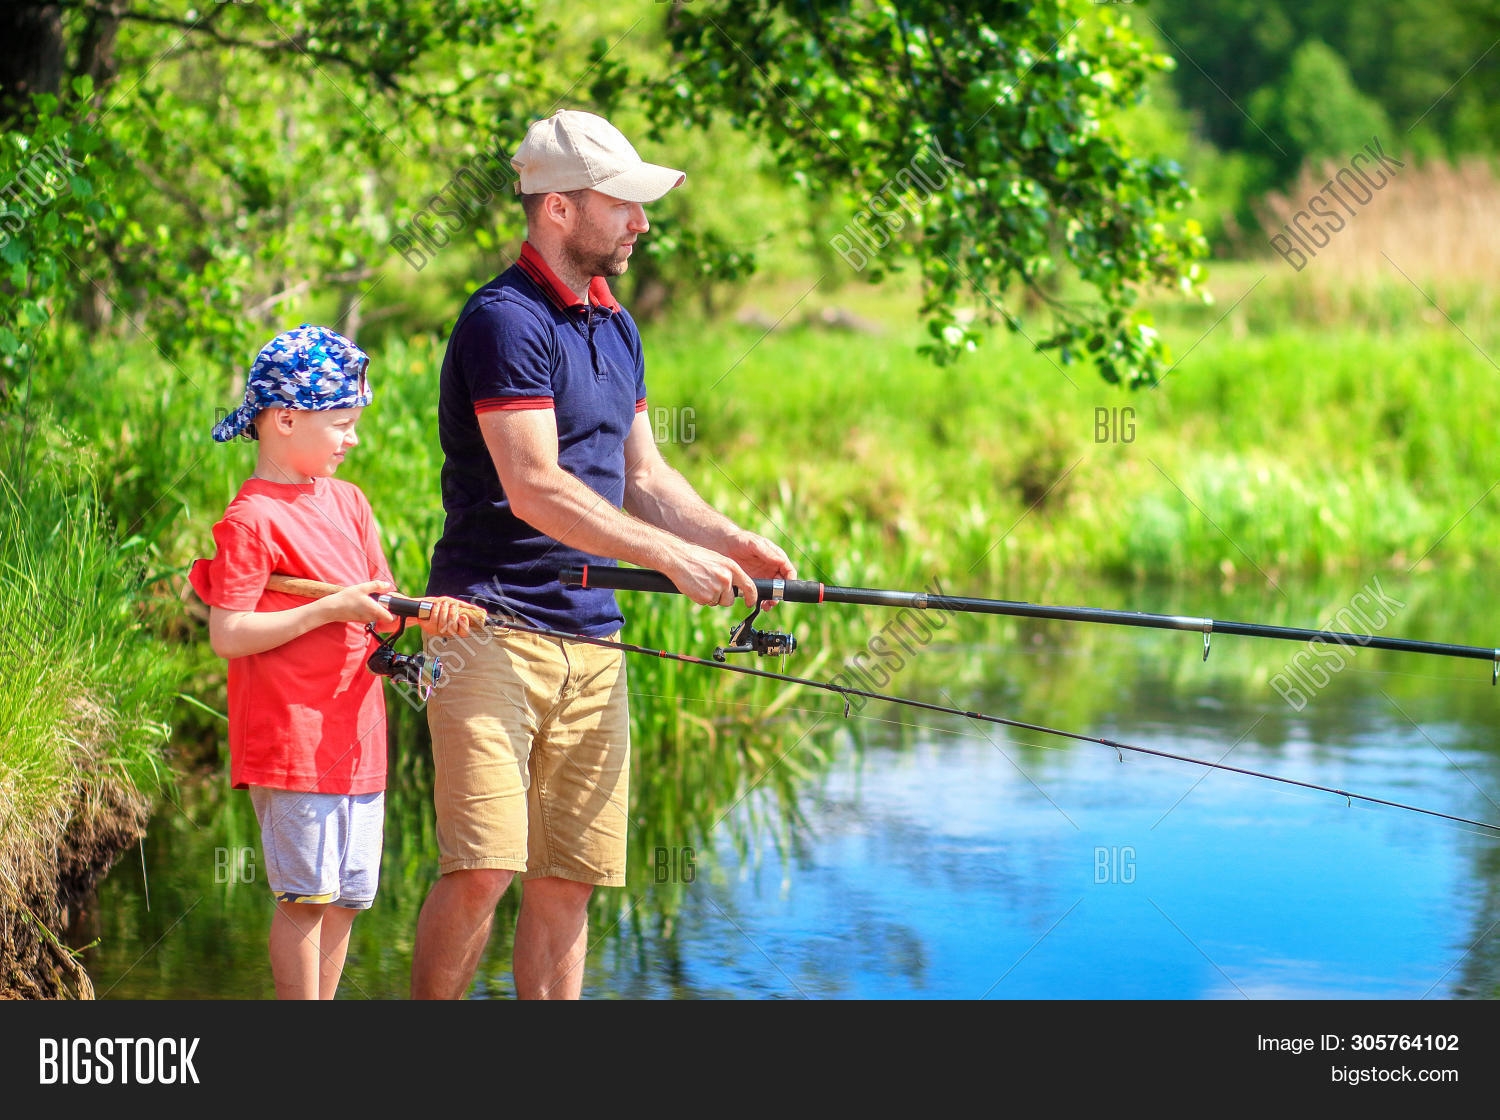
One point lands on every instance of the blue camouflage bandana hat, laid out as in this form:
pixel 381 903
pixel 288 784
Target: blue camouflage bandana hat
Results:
pixel 312 369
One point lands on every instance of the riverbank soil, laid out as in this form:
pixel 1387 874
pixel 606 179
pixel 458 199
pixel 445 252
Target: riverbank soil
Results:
pixel 39 898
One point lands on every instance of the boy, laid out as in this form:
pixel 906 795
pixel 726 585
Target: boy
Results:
pixel 307 732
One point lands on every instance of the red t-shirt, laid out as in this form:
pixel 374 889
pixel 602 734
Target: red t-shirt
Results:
pixel 306 715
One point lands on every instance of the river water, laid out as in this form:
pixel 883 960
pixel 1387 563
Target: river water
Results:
pixel 939 857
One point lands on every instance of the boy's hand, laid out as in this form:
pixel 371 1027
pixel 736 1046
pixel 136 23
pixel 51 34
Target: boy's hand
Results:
pixel 449 618
pixel 243 633
pixel 354 604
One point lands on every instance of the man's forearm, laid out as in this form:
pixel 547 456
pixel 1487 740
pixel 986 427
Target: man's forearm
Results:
pixel 708 557
pixel 668 501
pixel 565 509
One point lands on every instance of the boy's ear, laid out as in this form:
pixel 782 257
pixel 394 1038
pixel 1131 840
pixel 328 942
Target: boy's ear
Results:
pixel 279 420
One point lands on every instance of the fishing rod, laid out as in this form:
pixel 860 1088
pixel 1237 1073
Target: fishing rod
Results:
pixel 422 608
pixel 385 660
pixel 810 591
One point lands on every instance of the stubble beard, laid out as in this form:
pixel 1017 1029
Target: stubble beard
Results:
pixel 593 253
pixel 590 260
pixel 590 266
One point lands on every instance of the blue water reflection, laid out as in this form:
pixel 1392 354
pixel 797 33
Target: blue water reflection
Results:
pixel 965 866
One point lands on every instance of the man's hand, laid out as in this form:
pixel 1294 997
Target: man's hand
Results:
pixel 707 578
pixel 762 558
pixel 665 524
pixel 710 578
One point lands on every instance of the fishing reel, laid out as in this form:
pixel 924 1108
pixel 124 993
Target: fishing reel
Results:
pixel 408 668
pixel 745 638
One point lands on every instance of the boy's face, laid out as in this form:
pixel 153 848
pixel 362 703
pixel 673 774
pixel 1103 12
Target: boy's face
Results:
pixel 313 444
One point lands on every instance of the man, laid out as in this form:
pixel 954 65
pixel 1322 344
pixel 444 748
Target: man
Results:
pixel 549 461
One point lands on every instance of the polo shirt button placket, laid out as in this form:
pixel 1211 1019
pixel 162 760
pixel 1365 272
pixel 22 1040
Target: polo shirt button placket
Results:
pixel 599 372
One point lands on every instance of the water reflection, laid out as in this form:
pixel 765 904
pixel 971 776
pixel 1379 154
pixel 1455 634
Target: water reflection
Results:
pixel 941 872
pixel 938 857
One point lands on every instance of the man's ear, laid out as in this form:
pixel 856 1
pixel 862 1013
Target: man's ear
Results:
pixel 559 208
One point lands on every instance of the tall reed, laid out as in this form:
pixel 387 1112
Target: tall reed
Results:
pixel 1428 231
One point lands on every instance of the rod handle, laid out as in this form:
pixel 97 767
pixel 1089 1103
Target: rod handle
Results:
pixel 646 579
pixel 398 605
pixel 616 579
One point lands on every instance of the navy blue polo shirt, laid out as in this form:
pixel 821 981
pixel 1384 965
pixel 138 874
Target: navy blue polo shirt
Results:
pixel 524 341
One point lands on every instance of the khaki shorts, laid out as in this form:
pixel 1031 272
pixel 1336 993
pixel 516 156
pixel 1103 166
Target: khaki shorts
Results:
pixel 531 756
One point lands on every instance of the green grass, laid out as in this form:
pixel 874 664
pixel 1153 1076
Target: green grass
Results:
pixel 1303 450
pixel 87 684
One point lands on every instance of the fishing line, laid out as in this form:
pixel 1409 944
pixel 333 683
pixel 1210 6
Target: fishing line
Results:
pixel 846 692
pixel 746 639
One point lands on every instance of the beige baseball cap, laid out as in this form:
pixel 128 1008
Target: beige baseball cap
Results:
pixel 573 150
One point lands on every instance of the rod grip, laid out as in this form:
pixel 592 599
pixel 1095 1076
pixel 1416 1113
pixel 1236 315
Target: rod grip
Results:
pixel 398 605
pixel 616 579
pixel 646 579
pixel 296 585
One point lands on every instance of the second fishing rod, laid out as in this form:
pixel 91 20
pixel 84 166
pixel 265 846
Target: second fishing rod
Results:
pixel 811 591
pixel 416 669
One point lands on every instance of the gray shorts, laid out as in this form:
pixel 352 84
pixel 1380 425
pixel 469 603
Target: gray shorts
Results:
pixel 321 847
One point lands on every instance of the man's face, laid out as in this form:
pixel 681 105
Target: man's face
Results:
pixel 604 233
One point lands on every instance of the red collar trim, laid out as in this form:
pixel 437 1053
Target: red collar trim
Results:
pixel 534 266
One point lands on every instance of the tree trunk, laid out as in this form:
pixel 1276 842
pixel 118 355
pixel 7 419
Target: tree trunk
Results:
pixel 31 56
pixel 96 50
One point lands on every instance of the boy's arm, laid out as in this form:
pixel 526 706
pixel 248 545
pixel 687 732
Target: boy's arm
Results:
pixel 242 633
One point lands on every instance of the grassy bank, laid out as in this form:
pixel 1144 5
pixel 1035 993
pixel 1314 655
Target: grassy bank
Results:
pixel 1303 450
pixel 83 704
